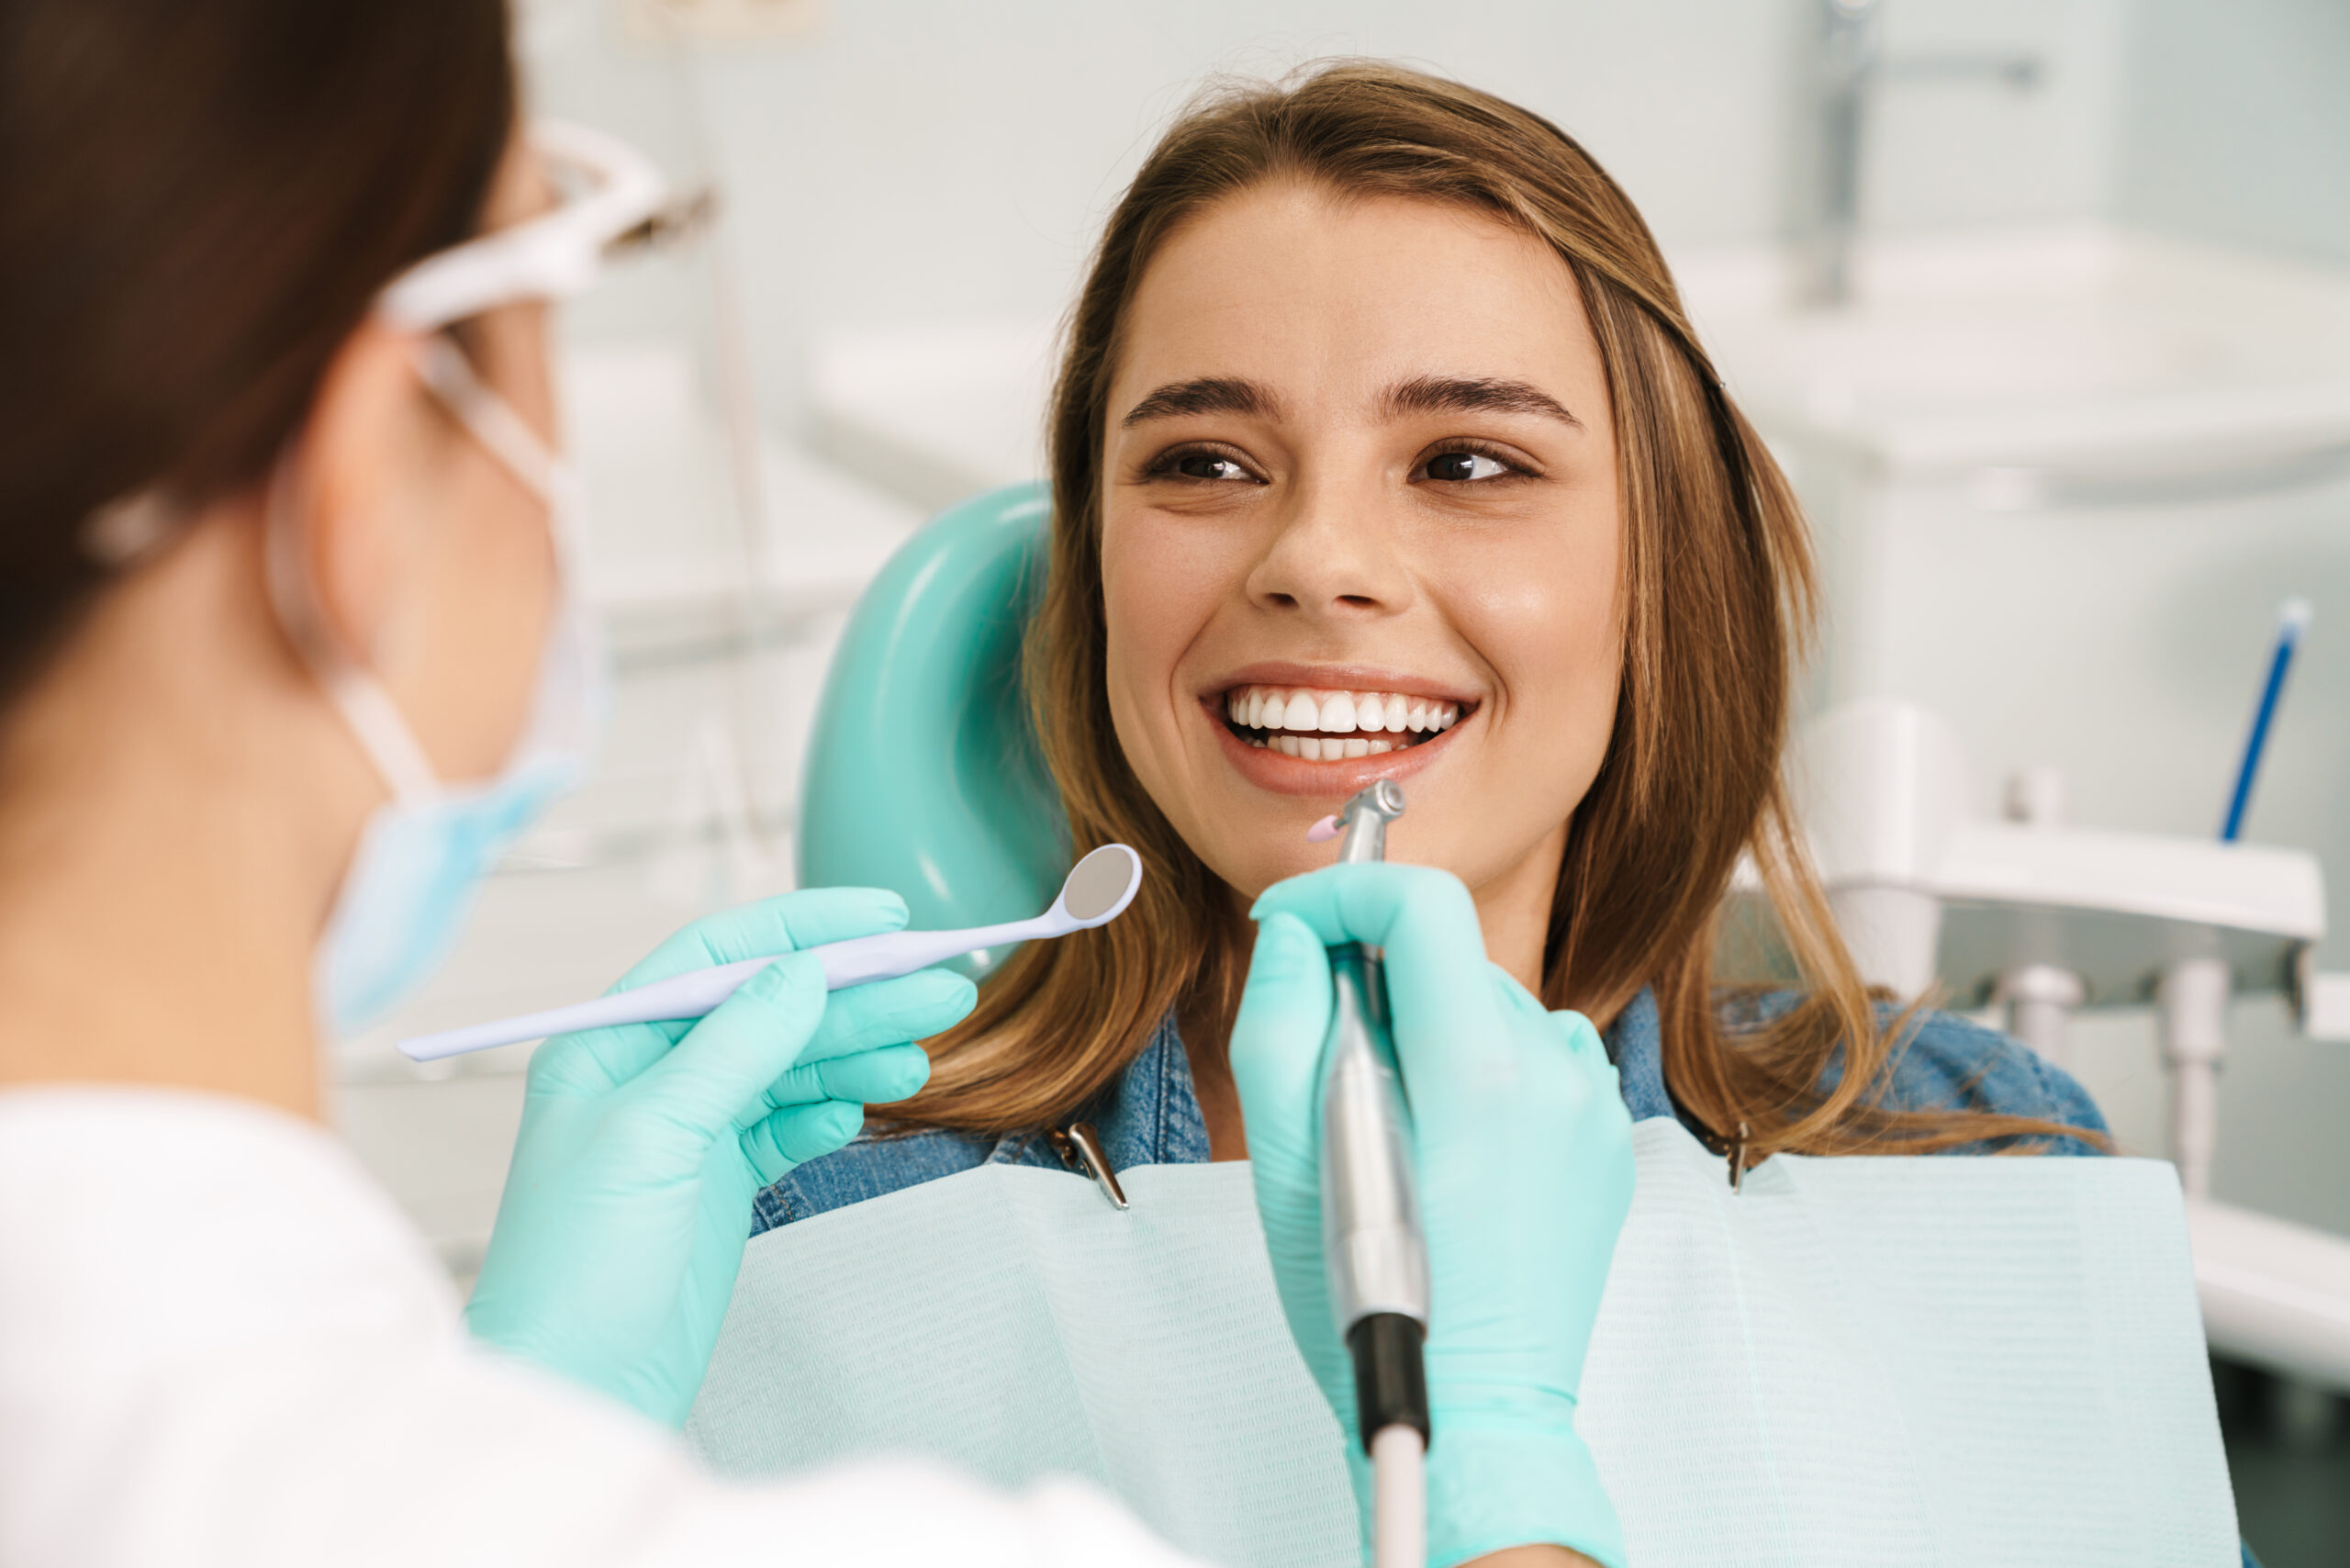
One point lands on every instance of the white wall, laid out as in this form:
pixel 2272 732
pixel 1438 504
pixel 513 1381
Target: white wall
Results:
pixel 943 159
pixel 2236 124
pixel 1958 149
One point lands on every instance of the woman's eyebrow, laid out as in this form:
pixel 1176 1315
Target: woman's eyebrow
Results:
pixel 1204 395
pixel 1474 394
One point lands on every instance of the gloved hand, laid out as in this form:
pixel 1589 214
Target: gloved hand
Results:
pixel 629 1199
pixel 1524 1153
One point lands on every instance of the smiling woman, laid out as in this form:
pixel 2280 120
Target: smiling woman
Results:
pixel 1402 519
pixel 1382 448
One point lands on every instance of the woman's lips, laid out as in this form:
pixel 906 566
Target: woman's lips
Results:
pixel 1269 751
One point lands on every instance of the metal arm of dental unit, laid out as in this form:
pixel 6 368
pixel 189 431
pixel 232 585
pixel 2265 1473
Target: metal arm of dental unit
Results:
pixel 2044 918
pixel 1372 1244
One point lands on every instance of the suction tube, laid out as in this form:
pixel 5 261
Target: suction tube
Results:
pixel 1372 1246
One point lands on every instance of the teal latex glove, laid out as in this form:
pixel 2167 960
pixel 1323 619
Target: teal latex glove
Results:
pixel 1524 1153
pixel 629 1199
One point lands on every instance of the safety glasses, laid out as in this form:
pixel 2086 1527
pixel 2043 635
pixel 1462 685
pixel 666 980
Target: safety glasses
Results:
pixel 612 198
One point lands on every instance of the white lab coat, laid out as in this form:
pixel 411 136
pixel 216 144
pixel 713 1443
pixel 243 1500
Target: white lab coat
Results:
pixel 219 1343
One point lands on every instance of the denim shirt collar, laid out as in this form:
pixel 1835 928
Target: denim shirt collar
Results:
pixel 1152 1116
pixel 1636 1044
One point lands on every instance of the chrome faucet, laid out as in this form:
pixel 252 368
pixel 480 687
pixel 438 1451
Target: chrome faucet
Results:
pixel 1848 64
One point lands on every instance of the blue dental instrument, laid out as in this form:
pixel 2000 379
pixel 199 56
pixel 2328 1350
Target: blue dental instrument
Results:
pixel 2292 619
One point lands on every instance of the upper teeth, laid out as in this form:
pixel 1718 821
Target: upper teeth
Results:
pixel 1342 712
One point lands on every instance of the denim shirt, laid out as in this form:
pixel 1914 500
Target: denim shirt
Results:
pixel 1152 1118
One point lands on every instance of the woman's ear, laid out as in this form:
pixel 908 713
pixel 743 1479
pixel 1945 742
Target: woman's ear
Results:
pixel 349 507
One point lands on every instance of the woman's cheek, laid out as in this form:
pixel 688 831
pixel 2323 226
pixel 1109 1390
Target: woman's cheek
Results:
pixel 1546 621
pixel 1587 649
pixel 1154 602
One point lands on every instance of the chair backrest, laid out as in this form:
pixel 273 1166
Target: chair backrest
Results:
pixel 923 773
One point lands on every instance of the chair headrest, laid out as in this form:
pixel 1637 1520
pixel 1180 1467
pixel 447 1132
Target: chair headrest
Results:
pixel 923 773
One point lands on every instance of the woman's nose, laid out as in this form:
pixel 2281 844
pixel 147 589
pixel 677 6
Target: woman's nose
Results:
pixel 1334 556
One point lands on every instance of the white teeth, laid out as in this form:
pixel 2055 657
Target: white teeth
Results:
pixel 1337 713
pixel 1310 748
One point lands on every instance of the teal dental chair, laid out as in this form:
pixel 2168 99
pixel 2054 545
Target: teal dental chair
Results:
pixel 923 773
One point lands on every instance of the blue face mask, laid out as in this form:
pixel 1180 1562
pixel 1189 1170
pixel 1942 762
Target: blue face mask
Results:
pixel 424 853
pixel 411 885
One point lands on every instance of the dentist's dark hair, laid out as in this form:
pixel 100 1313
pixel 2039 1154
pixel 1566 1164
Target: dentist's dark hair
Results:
pixel 1717 596
pixel 198 203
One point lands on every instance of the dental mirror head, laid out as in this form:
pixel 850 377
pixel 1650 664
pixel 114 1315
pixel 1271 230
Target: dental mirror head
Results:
pixel 1098 888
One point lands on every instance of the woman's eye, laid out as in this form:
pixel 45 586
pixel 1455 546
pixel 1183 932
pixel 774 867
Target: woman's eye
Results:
pixel 1206 466
pixel 1452 467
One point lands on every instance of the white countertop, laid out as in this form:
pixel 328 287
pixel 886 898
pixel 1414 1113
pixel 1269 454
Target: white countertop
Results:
pixel 1993 350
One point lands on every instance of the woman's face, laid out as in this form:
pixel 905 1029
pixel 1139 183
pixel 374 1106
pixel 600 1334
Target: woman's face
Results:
pixel 1360 522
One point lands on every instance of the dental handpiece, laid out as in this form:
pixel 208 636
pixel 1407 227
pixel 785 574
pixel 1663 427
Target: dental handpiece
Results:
pixel 1373 1250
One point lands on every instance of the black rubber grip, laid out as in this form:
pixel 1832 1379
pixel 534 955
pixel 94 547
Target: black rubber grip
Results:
pixel 1391 1383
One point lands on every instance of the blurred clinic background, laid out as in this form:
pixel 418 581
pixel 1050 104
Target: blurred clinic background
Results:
pixel 2044 303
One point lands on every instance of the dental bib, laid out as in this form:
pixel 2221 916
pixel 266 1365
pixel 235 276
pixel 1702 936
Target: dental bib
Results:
pixel 1857 1360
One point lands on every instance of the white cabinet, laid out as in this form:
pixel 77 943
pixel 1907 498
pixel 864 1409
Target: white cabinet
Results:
pixel 2061 481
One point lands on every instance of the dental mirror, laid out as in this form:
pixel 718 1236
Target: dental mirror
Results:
pixel 1098 888
pixel 1096 892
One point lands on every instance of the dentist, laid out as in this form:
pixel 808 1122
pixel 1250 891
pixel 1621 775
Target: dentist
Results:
pixel 291 646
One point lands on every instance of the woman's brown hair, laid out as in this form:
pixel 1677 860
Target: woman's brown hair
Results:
pixel 200 203
pixel 1718 589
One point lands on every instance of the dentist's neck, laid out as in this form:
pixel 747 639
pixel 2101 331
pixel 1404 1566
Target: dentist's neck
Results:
pixel 177 807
